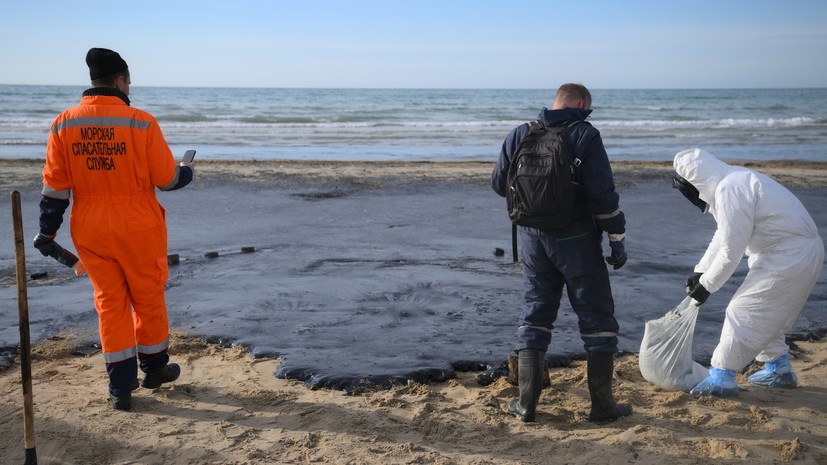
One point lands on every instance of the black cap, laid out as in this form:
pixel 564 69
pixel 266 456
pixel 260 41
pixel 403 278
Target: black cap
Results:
pixel 103 62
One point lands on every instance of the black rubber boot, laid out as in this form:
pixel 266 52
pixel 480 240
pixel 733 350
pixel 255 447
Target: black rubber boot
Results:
pixel 600 369
pixel 123 379
pixel 166 374
pixel 122 402
pixel 530 372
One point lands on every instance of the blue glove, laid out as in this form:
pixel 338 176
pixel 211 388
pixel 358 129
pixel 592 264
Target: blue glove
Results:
pixel 618 257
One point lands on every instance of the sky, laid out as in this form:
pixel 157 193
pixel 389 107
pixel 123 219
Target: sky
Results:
pixel 422 43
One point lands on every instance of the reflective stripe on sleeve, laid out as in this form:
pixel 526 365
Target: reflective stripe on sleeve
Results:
pixel 55 194
pixel 174 180
pixel 606 216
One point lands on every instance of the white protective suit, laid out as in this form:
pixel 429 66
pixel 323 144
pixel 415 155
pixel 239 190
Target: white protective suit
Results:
pixel 759 217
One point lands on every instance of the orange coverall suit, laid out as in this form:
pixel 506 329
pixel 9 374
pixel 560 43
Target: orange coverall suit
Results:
pixel 111 157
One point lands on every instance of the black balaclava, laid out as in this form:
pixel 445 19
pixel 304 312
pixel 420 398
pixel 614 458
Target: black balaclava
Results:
pixel 689 191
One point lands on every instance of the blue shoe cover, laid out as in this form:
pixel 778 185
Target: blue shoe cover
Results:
pixel 777 374
pixel 720 383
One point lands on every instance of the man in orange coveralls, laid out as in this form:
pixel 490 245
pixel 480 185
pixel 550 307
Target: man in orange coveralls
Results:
pixel 110 157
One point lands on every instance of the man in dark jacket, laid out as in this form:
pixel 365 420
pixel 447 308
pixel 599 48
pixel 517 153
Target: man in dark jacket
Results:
pixel 571 256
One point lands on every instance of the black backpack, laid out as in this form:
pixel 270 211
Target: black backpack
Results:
pixel 542 180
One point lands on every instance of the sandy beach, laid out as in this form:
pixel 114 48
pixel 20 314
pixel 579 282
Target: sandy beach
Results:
pixel 229 408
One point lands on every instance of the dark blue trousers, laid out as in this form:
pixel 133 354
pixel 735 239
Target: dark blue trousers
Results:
pixel 576 263
pixel 123 375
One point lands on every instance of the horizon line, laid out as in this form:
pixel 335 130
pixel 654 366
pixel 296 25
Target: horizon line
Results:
pixel 426 88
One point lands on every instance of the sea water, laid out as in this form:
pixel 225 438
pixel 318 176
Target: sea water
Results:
pixel 438 124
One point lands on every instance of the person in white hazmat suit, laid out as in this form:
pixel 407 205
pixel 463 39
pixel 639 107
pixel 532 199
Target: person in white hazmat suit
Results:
pixel 757 216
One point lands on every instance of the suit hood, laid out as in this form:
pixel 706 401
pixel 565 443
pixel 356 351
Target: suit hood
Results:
pixel 703 170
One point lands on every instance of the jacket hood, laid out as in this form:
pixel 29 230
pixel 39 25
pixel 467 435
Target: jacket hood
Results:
pixel 703 170
pixel 555 117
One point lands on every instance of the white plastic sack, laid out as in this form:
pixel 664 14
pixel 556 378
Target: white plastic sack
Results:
pixel 666 350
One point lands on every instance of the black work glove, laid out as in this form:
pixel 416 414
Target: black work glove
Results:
pixel 699 293
pixel 45 244
pixel 693 281
pixel 618 257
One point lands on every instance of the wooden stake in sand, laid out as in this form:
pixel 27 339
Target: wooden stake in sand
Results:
pixel 25 346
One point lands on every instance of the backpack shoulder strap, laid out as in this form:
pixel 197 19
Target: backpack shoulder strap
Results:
pixel 574 123
pixel 533 128
pixel 535 125
pixel 569 126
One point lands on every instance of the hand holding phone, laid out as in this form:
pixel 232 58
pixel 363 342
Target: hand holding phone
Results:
pixel 189 155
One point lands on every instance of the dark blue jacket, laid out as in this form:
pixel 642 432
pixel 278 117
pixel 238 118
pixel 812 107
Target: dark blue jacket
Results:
pixel 598 200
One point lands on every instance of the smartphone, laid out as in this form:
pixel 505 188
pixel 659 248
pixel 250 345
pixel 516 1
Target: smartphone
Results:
pixel 188 156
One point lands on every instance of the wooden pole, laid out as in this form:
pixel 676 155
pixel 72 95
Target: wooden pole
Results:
pixel 25 345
